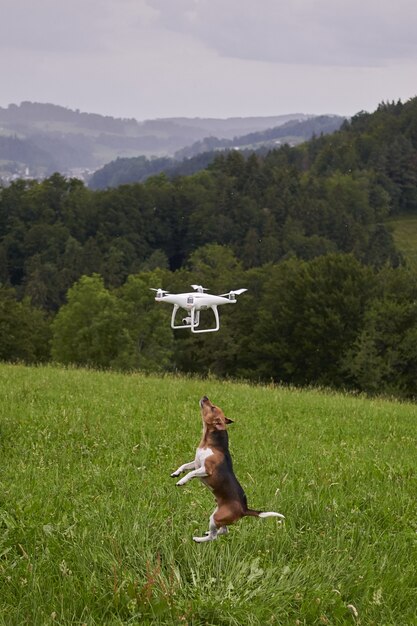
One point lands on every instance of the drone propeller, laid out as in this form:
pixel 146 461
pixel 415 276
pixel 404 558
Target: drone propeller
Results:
pixel 199 288
pixel 233 292
pixel 160 291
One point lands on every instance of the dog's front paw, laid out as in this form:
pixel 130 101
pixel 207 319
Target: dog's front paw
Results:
pixel 181 482
pixel 207 537
pixel 175 474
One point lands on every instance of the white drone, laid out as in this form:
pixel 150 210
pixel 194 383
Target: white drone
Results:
pixel 194 302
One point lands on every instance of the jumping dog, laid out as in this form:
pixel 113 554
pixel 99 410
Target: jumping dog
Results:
pixel 213 465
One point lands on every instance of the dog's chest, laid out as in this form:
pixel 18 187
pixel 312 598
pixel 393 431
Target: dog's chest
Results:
pixel 201 455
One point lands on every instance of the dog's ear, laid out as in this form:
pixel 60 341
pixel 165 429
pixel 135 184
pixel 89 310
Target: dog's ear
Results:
pixel 228 421
pixel 219 425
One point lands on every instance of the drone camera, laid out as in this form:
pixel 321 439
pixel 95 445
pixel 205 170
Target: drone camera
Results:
pixel 186 321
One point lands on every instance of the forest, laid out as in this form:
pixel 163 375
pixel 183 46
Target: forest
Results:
pixel 200 154
pixel 305 229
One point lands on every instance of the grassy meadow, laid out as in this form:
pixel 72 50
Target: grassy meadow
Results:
pixel 93 530
pixel 404 231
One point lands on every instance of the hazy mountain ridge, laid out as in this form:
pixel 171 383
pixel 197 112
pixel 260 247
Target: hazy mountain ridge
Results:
pixel 291 132
pixel 200 154
pixel 38 138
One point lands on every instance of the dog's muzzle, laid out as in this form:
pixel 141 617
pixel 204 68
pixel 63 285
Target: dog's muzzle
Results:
pixel 203 400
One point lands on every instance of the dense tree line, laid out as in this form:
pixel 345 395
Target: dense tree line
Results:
pixel 302 228
pixel 330 321
pixel 137 169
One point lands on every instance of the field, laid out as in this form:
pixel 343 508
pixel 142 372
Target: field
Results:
pixel 93 530
pixel 404 230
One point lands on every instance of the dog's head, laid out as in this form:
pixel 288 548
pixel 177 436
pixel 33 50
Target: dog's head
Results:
pixel 213 417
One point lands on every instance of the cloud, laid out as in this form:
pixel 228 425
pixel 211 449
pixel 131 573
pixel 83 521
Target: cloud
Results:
pixel 79 26
pixel 40 26
pixel 157 58
pixel 314 32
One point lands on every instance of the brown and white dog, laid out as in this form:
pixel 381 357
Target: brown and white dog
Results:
pixel 213 465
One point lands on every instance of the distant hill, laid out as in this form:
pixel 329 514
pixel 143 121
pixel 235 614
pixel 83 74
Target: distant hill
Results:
pixel 44 138
pixel 193 158
pixel 138 169
pixel 292 133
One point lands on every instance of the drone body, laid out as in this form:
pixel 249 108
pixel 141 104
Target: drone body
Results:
pixel 193 302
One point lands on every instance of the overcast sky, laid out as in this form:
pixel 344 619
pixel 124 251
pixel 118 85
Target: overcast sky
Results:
pixel 208 58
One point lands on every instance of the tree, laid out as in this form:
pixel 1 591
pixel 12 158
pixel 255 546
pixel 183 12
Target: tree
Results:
pixel 216 268
pixel 119 261
pixel 24 330
pixel 147 336
pixel 88 329
pixel 214 265
pixel 121 329
pixel 383 359
pixel 4 272
pixel 309 316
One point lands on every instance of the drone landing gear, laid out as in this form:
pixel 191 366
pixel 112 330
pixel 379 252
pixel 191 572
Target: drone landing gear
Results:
pixel 193 320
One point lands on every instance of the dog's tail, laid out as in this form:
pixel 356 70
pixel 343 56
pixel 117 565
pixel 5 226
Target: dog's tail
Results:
pixel 252 513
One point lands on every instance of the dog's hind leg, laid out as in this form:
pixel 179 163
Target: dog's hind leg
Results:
pixel 212 532
pixel 223 530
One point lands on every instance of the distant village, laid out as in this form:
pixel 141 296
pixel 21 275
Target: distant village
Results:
pixel 23 172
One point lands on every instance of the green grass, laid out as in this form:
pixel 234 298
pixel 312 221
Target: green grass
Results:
pixel 93 530
pixel 404 230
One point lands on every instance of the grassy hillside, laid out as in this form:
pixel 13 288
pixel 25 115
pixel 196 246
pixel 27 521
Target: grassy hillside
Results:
pixel 94 531
pixel 404 230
